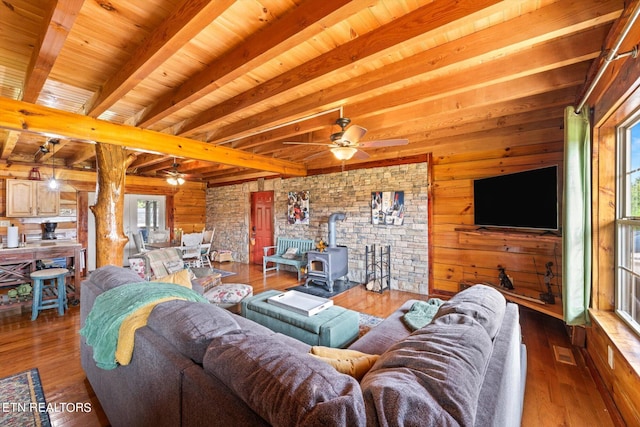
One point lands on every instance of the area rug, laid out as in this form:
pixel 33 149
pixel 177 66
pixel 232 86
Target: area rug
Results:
pixel 205 271
pixel 23 403
pixel 366 322
pixel 320 290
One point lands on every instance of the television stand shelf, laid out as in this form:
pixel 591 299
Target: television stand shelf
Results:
pixel 510 232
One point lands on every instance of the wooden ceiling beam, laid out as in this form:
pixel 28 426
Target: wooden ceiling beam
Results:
pixel 86 152
pixel 22 116
pixel 292 29
pixel 420 21
pixel 146 159
pixel 42 157
pixel 558 19
pixel 9 144
pixel 58 22
pixel 151 169
pixel 186 22
pixel 287 132
pixel 468 108
pixel 560 54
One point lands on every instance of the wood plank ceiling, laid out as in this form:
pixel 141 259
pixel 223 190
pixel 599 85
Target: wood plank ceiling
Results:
pixel 219 85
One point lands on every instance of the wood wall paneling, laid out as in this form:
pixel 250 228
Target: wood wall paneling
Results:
pixel 460 253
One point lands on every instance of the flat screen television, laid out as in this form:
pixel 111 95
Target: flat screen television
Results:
pixel 527 199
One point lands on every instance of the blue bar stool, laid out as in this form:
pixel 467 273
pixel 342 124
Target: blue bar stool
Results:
pixel 57 285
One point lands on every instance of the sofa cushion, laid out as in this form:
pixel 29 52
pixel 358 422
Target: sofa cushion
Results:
pixel 282 385
pixel 110 276
pixel 191 326
pixel 484 303
pixel 432 377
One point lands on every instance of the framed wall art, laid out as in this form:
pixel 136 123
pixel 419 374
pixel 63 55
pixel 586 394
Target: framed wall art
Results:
pixel 387 207
pixel 298 207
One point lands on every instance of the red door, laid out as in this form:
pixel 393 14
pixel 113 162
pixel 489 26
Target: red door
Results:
pixel 261 224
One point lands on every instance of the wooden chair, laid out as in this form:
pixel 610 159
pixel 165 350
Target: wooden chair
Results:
pixel 138 240
pixel 207 240
pixel 192 249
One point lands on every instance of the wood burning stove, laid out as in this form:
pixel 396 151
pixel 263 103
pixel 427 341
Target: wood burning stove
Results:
pixel 332 263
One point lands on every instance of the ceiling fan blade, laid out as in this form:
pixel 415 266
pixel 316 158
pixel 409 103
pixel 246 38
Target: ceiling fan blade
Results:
pixel 361 155
pixel 353 134
pixel 316 155
pixel 309 143
pixel 384 143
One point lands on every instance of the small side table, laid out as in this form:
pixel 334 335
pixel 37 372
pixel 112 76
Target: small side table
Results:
pixel 57 276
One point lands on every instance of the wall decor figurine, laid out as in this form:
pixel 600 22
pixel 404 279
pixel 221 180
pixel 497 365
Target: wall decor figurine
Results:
pixel 387 207
pixel 298 207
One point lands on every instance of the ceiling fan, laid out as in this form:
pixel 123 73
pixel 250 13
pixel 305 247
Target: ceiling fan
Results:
pixel 346 143
pixel 173 176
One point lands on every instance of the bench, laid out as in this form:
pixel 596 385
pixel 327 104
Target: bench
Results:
pixel 281 247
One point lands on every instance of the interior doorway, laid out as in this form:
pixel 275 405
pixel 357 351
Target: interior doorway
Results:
pixel 261 224
pixel 141 212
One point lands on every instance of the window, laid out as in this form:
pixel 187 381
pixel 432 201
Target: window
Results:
pixel 148 216
pixel 628 224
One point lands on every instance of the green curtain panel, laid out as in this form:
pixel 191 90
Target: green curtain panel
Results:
pixel 576 223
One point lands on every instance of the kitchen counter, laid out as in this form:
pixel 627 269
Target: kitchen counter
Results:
pixel 16 264
pixel 46 244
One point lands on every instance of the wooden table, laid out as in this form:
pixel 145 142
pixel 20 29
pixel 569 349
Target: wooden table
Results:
pixel 162 245
pixel 16 264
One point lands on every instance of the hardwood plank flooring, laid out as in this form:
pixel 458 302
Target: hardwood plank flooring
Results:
pixel 557 394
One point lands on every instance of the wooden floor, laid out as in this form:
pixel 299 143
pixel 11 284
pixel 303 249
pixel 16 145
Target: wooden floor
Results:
pixel 557 394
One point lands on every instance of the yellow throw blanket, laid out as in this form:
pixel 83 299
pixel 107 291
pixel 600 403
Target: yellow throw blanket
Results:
pixel 128 328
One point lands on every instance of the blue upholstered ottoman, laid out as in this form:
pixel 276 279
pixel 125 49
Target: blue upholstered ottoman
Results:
pixel 333 327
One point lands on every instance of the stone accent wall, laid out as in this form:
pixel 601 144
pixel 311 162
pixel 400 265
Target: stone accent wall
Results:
pixel 349 192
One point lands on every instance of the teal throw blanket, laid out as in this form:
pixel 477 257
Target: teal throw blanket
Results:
pixel 421 313
pixel 113 306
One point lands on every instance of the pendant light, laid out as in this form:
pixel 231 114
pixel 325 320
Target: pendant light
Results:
pixel 53 184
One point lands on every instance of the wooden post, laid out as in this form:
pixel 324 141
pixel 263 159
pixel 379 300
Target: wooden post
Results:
pixel 111 166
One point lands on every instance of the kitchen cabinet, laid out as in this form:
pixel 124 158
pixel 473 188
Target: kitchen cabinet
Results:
pixel 27 198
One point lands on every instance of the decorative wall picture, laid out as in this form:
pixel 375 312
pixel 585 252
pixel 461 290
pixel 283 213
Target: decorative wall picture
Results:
pixel 298 207
pixel 387 207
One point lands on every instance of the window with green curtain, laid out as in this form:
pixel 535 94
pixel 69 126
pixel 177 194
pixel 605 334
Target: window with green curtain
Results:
pixel 576 220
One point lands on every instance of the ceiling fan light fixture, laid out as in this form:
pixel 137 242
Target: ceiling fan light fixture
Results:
pixel 175 180
pixel 343 153
pixel 175 177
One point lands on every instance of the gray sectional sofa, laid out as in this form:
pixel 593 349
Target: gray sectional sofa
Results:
pixel 195 364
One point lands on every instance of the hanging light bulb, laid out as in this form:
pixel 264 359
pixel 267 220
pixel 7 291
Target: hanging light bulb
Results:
pixel 53 183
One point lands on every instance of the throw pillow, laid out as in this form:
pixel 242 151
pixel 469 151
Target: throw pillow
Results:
pixel 181 278
pixel 173 266
pixel 291 253
pixel 283 385
pixel 350 362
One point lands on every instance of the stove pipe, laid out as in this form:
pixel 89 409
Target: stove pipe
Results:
pixel 332 226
